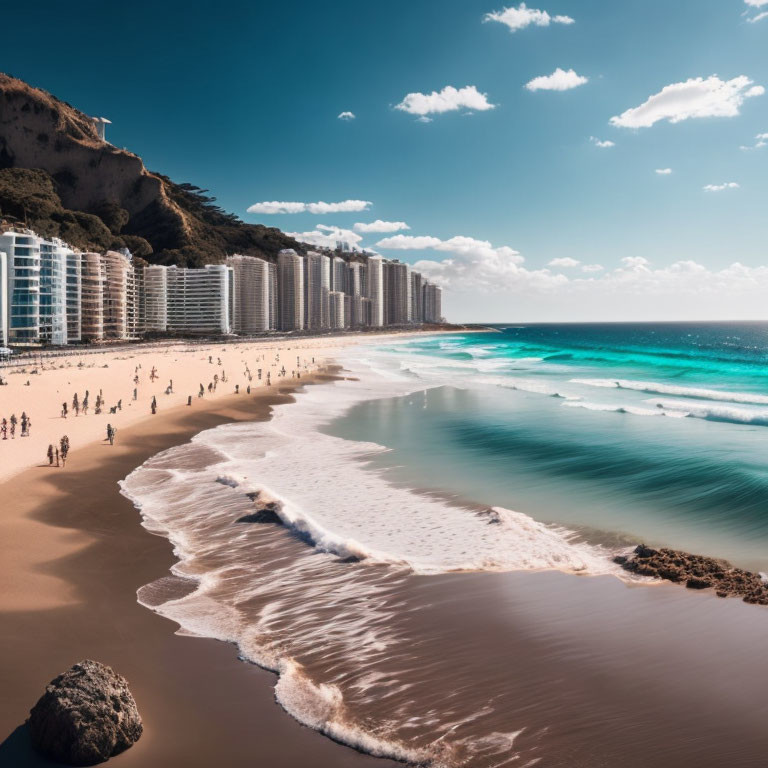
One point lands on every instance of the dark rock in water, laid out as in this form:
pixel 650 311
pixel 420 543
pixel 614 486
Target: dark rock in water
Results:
pixel 86 715
pixel 265 513
pixel 696 572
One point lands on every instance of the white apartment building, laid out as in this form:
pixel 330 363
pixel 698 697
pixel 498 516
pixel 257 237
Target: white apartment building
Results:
pixel 317 285
pixel 53 291
pixel 433 303
pixel 290 283
pixel 198 299
pixel 92 279
pixel 74 296
pixel 155 287
pixel 250 302
pixel 22 249
pixel 118 289
pixel 273 294
pixel 417 297
pixel 397 293
pixel 3 299
pixel 336 309
pixel 376 290
pixel 338 278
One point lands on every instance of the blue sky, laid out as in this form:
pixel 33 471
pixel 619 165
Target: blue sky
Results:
pixel 243 99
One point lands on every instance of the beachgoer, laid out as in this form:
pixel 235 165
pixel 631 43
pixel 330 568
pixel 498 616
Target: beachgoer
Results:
pixel 50 455
pixel 63 410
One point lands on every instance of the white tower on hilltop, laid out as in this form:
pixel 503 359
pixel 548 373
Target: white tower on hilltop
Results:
pixel 101 125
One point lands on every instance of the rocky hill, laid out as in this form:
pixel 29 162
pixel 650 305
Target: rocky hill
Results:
pixel 59 177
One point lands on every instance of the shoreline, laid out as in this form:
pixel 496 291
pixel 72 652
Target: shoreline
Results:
pixel 200 703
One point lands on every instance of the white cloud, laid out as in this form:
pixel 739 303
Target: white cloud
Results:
pixel 522 17
pixel 721 187
pixel 664 171
pixel 559 80
pixel 345 206
pixel 756 3
pixel 381 226
pixel 347 116
pixel 696 97
pixel 450 99
pixel 759 17
pixel 761 140
pixel 326 236
pixel 603 144
pixel 487 283
pixel 408 243
pixel 564 261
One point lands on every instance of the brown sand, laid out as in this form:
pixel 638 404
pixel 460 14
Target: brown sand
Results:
pixel 72 555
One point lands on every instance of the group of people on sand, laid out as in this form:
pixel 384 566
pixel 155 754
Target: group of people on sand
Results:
pixel 8 426
pixel 59 453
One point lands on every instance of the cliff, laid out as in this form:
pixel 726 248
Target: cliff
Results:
pixel 59 177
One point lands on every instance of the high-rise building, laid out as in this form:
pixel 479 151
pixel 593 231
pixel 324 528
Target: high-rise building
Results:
pixel 417 298
pixel 3 299
pixel 273 294
pixel 290 283
pixel 317 284
pixel 53 291
pixel 336 309
pixel 339 270
pixel 93 277
pixel 376 290
pixel 397 293
pixel 74 296
pixel 198 299
pixel 155 290
pixel 433 303
pixel 118 288
pixel 22 249
pixel 250 301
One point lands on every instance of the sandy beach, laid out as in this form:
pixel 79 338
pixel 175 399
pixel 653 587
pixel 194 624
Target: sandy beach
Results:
pixel 73 555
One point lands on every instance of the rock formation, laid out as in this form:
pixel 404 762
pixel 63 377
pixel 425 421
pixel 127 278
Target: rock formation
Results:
pixel 86 715
pixel 696 572
pixel 59 177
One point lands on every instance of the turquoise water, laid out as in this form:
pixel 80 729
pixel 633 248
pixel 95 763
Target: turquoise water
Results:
pixel 654 432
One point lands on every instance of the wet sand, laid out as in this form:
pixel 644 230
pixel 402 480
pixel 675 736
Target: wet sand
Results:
pixel 201 705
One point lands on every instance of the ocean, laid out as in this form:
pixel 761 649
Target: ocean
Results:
pixel 440 589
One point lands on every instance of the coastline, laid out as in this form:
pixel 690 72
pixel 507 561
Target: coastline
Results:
pixel 201 705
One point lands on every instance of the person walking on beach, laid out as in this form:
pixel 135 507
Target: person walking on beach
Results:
pixel 135 393
pixel 76 405
pixel 4 429
pixel 24 424
pixel 64 445
pixel 154 405
pixel 14 421
pixel 201 393
pixel 50 455
pixel 57 458
pixel 63 410
pixel 111 434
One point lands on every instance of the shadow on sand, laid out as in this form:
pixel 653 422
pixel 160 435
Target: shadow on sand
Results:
pixel 17 751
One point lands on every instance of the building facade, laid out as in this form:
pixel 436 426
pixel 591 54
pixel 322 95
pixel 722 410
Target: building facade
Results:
pixel 22 249
pixel 251 289
pixel 290 283
pixel 53 291
pixel 317 285
pixel 198 299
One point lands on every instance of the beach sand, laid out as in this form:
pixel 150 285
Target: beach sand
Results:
pixel 72 557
